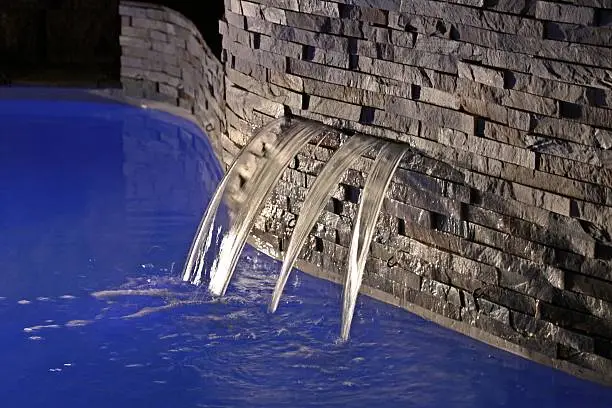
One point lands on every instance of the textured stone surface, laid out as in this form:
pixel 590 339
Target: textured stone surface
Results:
pixel 500 217
pixel 164 58
pixel 547 10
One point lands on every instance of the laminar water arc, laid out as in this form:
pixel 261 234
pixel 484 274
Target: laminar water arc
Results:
pixel 371 202
pixel 268 135
pixel 317 197
pixel 256 192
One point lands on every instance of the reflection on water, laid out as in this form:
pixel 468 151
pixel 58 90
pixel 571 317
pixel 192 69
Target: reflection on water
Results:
pixel 98 206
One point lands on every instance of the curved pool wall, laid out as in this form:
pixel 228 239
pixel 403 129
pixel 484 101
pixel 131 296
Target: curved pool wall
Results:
pixel 165 59
pixel 500 228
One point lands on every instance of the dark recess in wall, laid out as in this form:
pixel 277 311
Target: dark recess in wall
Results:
pixel 43 40
pixel 205 14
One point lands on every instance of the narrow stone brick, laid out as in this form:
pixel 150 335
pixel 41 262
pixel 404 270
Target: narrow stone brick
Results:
pixel 431 113
pixel 319 7
pixel 488 148
pixel 283 4
pixel 469 16
pixel 243 103
pixel 564 13
pixel 352 95
pixel 285 80
pixel 249 9
pixel 331 107
pixel 484 75
pixel 266 90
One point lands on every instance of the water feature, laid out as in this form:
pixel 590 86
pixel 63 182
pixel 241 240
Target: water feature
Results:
pixel 363 229
pixel 241 167
pixel 315 201
pixel 257 190
pixel 274 156
pixel 98 205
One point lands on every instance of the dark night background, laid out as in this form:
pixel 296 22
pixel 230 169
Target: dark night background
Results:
pixel 43 40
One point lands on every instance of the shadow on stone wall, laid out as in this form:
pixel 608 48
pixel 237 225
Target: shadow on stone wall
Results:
pixel 206 22
pixel 41 41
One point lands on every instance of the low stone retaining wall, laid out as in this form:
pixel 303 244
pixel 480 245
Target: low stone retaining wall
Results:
pixel 498 225
pixel 164 58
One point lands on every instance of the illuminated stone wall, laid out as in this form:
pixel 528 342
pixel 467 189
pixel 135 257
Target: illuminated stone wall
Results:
pixel 498 223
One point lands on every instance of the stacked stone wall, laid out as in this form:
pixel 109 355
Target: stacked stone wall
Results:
pixel 498 222
pixel 165 59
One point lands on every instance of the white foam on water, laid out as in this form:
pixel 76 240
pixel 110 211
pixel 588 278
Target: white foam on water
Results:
pixel 40 327
pixel 78 323
pixel 67 297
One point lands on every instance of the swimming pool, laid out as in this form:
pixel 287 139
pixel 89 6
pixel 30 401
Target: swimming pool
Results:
pixel 97 197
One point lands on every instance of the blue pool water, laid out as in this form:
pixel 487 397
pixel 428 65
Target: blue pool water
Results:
pixel 100 197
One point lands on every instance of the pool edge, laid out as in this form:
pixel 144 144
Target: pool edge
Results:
pixel 450 324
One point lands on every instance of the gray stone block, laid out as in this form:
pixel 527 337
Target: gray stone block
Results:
pixel 335 108
pixel 575 321
pixel 488 148
pixel 484 109
pixel 266 90
pixel 432 114
pixel 319 7
pixel 441 291
pixel 521 7
pixel 320 24
pixel 274 15
pixel 497 328
pixel 379 4
pixel 579 33
pixel 351 95
pixel 590 286
pixel 276 46
pixel 243 103
pixel 459 14
pixel 564 13
pixel 288 81
pixel 283 4
pixel 563 148
pixel 259 57
pixel 249 9
pixel 541 329
pixel 248 68
pixel 478 73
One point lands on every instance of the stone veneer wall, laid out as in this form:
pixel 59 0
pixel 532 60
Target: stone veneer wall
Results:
pixel 165 59
pixel 498 224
